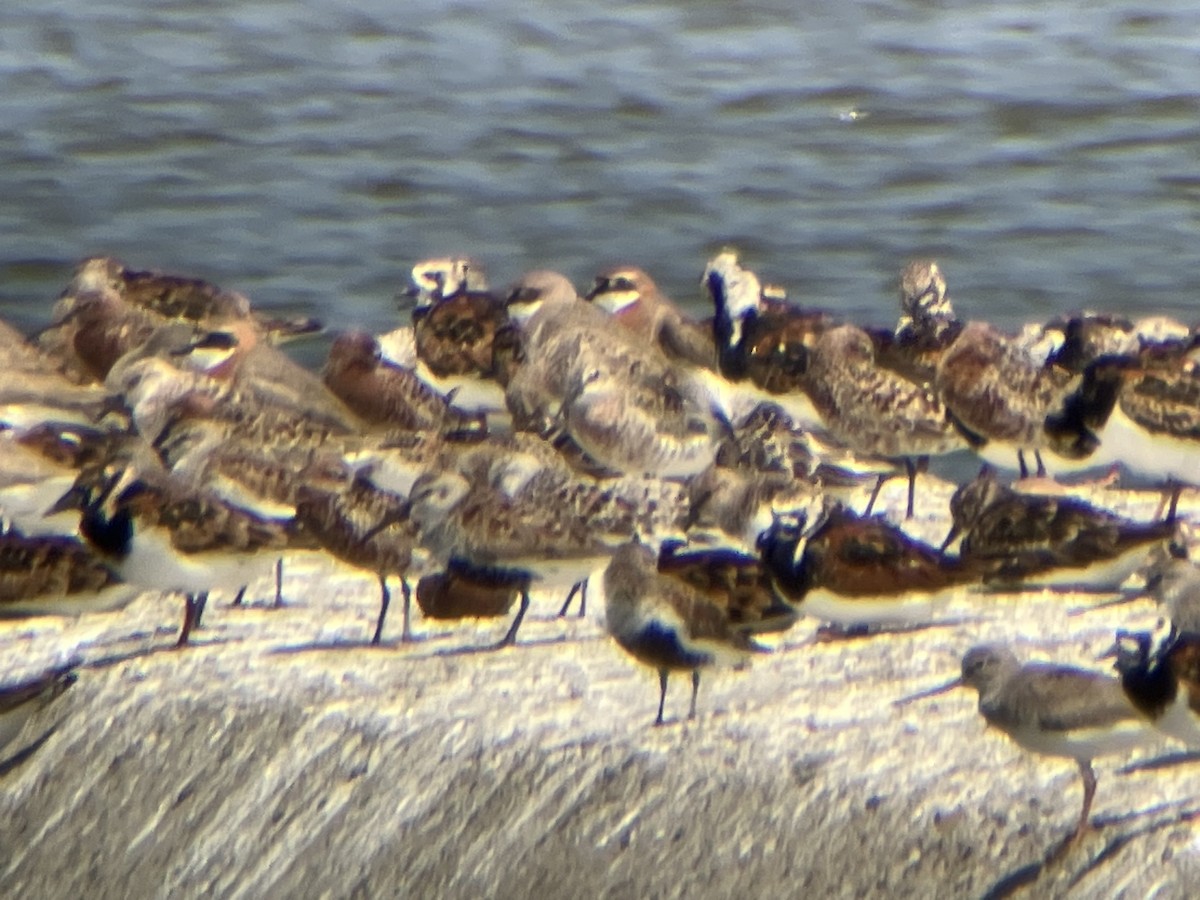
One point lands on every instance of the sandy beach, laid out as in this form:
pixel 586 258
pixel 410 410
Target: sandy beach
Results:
pixel 282 756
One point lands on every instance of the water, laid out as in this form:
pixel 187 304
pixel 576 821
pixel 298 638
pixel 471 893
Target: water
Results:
pixel 307 153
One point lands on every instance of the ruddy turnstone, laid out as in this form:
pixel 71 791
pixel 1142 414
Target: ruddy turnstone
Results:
pixel 875 410
pixel 1056 710
pixel 1163 685
pixel 855 571
pixel 456 318
pixel 927 326
pixel 634 300
pixel 1039 540
pixel 1143 411
pixel 666 623
pixel 460 592
pixel 760 337
pixel 159 533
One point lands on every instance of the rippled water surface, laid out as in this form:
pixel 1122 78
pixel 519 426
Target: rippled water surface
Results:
pixel 307 153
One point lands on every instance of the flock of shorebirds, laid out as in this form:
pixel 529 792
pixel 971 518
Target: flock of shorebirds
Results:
pixel 154 437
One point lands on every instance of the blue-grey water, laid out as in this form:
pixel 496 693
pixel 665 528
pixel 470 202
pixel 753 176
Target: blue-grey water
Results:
pixel 307 153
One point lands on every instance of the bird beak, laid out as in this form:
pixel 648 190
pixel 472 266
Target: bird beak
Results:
pixel 929 692
pixel 73 499
pixel 954 532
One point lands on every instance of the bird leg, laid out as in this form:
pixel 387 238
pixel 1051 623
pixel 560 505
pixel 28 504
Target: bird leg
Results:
pixel 874 494
pixel 1089 791
pixel 241 595
pixel 1021 463
pixel 1041 465
pixel 192 611
pixel 579 587
pixel 385 599
pixel 1170 499
pixel 509 639
pixel 695 691
pixel 913 466
pixel 662 694
pixel 406 591
pixel 279 582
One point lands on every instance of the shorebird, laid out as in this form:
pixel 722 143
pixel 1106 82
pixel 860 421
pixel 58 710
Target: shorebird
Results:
pixel 264 375
pixel 1164 685
pixel 460 593
pixel 634 300
pixel 160 533
pixel 1033 539
pixel 55 575
pixel 634 421
pixel 486 535
pixel 1000 395
pixel 20 700
pixel 733 507
pixel 176 297
pixel 383 394
pixel 1142 410
pixel 666 623
pixel 855 571
pixel 619 401
pixel 1056 710
pixel 99 329
pixel 927 326
pixel 39 465
pixel 760 337
pixel 36 388
pixel 1174 581
pixel 875 410
pixel 365 527
pixel 769 441
pixel 538 290
pixel 735 581
pixel 514 513
pixel 456 317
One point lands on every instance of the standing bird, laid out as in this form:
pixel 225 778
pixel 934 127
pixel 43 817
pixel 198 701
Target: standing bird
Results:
pixel 875 410
pixel 456 318
pixel 367 528
pixel 927 326
pixel 1056 710
pixel 1000 394
pixel 665 622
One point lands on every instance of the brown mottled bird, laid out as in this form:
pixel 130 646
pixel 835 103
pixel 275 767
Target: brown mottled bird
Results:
pixel 667 623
